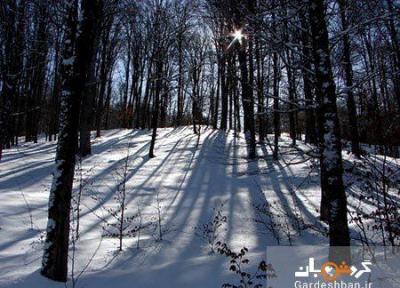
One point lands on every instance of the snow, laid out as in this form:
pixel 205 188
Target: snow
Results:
pixel 56 176
pixel 69 61
pixel 190 177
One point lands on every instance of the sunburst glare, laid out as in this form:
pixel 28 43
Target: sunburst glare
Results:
pixel 237 36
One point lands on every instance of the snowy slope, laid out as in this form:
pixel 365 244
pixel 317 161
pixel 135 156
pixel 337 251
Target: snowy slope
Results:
pixel 186 183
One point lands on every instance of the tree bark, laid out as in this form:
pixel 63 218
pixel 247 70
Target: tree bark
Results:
pixel 261 111
pixel 55 257
pixel 277 116
pixel 247 101
pixel 77 56
pixel 224 94
pixel 156 107
pixel 88 99
pixel 348 69
pixel 13 52
pixel 334 203
pixel 310 129
pixel 180 102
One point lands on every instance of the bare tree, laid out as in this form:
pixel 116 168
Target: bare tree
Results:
pixel 77 57
pixel 333 204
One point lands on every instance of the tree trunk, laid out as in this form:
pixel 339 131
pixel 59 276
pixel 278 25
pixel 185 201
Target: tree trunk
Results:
pixel 348 69
pixel 333 193
pixel 55 257
pixel 13 52
pixel 277 116
pixel 292 107
pixel 180 101
pixel 224 95
pixel 75 68
pixel 156 107
pixel 247 101
pixel 311 132
pixel 88 99
pixel 103 77
pixel 124 116
pixel 261 111
pixel 39 72
pixel 216 106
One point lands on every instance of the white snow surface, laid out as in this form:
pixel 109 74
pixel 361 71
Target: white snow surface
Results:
pixel 189 175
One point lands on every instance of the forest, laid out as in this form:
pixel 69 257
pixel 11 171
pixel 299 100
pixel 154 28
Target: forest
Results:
pixel 168 143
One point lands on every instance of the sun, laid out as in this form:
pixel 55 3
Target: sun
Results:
pixel 238 35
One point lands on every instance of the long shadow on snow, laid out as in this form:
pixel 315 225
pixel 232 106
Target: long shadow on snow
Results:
pixel 30 177
pixel 150 195
pixel 16 153
pixel 131 173
pixel 193 205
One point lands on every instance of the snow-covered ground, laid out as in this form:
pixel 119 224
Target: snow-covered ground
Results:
pixel 189 181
